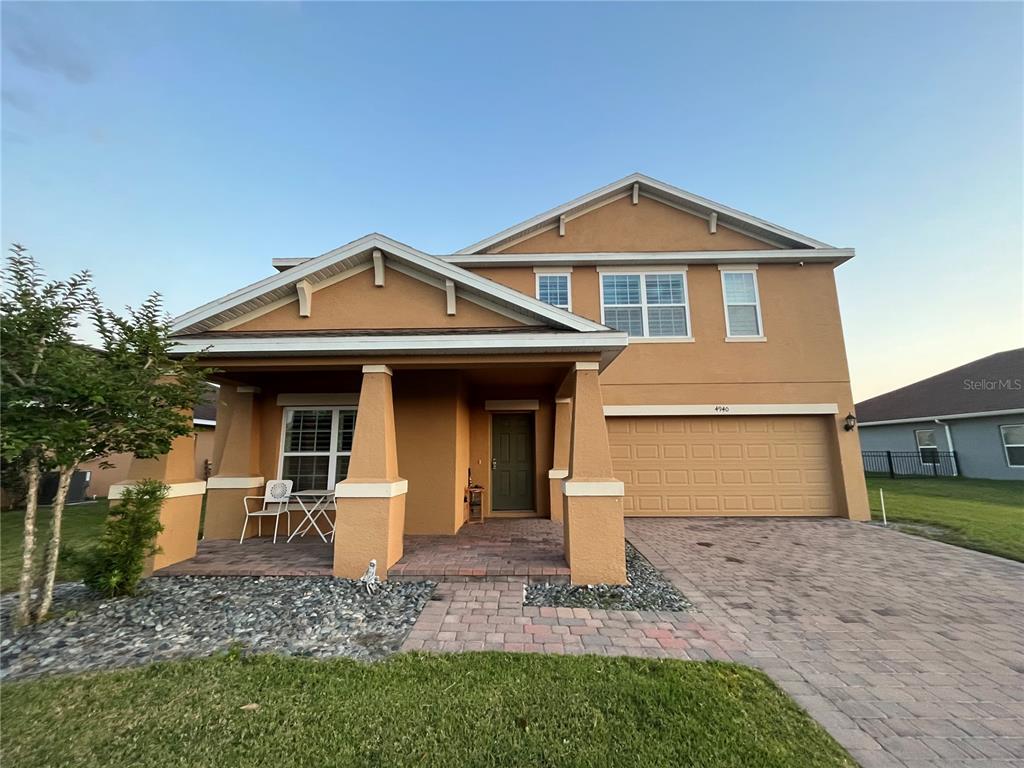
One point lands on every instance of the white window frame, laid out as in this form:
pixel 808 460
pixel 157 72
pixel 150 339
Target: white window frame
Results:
pixel 643 305
pixel 752 271
pixel 1007 446
pixel 920 456
pixel 567 274
pixel 333 453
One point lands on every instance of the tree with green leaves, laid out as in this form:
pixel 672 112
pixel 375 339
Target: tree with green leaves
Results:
pixel 62 402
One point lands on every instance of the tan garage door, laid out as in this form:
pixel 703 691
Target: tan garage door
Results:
pixel 726 465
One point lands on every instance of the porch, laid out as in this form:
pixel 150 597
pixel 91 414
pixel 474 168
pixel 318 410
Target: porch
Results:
pixel 398 445
pixel 521 549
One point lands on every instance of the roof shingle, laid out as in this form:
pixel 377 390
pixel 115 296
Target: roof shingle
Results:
pixel 993 383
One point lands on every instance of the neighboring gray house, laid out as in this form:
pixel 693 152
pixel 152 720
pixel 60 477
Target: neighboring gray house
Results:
pixel 975 411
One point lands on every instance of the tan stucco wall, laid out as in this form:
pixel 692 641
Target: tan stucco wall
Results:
pixel 803 359
pixel 177 541
pixel 429 453
pixel 353 303
pixel 101 479
pixel 647 226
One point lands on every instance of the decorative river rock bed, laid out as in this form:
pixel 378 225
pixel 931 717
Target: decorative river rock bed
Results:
pixel 175 617
pixel 647 590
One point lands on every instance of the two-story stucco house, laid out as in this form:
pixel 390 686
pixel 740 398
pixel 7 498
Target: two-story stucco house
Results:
pixel 639 350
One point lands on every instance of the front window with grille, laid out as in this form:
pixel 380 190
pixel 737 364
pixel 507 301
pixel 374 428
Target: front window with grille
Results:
pixel 646 304
pixel 317 446
pixel 742 304
pixel 554 289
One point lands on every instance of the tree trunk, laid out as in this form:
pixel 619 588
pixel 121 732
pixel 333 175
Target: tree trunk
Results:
pixel 53 551
pixel 28 546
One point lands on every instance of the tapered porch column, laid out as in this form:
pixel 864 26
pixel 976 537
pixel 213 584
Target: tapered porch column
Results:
pixel 371 500
pixel 180 511
pixel 560 463
pixel 236 461
pixel 594 531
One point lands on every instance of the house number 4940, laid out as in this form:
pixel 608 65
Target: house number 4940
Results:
pixel 721 409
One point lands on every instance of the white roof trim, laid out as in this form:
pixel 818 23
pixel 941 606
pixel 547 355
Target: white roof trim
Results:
pixel 918 419
pixel 652 188
pixel 774 256
pixel 608 342
pixel 253 297
pixel 555 260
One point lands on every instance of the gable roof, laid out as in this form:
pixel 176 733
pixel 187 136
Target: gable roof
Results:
pixel 282 286
pixel 992 384
pixel 657 190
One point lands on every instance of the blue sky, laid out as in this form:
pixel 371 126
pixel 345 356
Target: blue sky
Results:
pixel 180 146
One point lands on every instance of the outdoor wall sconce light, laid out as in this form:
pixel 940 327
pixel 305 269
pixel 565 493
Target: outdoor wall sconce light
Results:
pixel 849 422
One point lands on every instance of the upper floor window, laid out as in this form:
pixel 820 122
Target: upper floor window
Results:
pixel 645 303
pixel 927 448
pixel 742 304
pixel 317 446
pixel 1013 444
pixel 555 289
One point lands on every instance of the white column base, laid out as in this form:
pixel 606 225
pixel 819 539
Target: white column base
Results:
pixel 195 488
pixel 593 487
pixel 355 490
pixel 234 482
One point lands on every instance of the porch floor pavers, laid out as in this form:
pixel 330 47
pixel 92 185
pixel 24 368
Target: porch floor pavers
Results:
pixel 909 652
pixel 256 557
pixel 496 548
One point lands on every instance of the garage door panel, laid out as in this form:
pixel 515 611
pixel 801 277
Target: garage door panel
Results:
pixel 735 465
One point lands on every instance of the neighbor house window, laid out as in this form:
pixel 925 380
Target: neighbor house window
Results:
pixel 317 446
pixel 1013 444
pixel 742 304
pixel 555 289
pixel 645 303
pixel 926 446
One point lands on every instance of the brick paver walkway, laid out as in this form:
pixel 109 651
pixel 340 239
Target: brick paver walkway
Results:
pixel 910 652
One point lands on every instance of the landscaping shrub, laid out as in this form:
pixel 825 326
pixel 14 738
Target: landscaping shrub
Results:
pixel 115 566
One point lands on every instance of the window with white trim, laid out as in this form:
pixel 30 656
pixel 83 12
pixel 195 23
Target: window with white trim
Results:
pixel 927 448
pixel 555 289
pixel 742 304
pixel 1013 444
pixel 317 446
pixel 645 303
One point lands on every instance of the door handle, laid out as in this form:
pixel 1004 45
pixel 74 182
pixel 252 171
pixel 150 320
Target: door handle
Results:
pixel 494 463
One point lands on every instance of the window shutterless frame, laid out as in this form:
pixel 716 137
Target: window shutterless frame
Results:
pixel 927 445
pixel 568 288
pixel 332 454
pixel 1013 444
pixel 756 304
pixel 644 306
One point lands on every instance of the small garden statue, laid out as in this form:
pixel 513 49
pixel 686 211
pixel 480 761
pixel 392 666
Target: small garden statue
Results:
pixel 369 578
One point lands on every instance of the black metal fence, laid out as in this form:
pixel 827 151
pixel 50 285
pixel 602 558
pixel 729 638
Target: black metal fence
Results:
pixel 926 463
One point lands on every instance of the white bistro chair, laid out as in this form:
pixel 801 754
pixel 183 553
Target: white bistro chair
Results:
pixel 275 503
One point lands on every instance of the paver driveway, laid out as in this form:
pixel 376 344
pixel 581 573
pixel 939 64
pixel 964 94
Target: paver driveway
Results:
pixel 910 652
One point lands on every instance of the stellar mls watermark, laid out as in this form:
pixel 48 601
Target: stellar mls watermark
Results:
pixel 993 385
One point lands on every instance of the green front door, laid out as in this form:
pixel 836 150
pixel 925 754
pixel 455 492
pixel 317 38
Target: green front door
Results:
pixel 512 462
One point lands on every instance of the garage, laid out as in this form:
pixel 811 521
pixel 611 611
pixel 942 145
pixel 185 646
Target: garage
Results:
pixel 724 465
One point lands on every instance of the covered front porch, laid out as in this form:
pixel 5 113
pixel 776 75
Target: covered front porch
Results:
pixel 400 442
pixel 521 549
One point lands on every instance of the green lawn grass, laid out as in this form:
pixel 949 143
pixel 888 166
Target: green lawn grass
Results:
pixel 986 515
pixel 83 524
pixel 474 709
